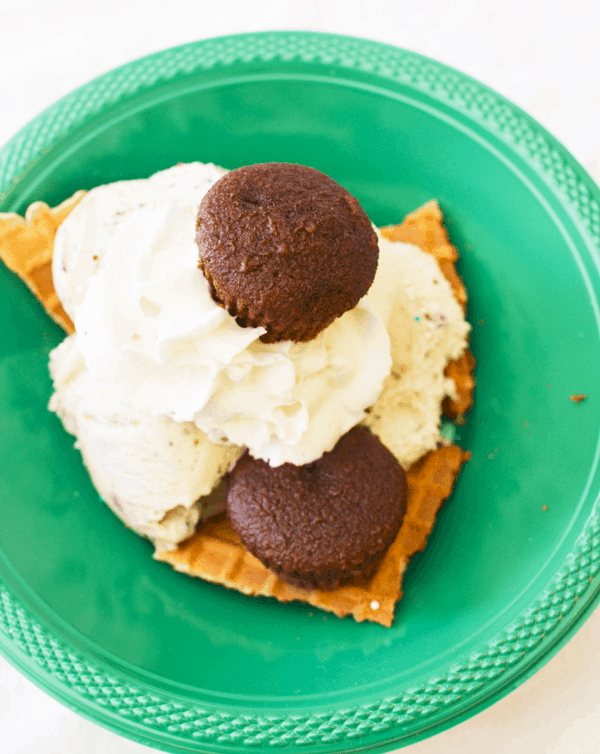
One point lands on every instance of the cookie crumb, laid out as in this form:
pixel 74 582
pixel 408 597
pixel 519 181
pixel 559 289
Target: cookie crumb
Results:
pixel 481 322
pixel 525 424
pixel 544 507
pixel 374 605
pixel 578 398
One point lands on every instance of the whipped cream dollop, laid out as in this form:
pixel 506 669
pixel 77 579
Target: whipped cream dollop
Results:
pixel 127 273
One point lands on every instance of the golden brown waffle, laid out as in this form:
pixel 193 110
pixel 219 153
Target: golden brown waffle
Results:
pixel 26 248
pixel 214 552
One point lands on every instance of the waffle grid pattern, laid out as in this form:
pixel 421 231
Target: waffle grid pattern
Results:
pixel 172 723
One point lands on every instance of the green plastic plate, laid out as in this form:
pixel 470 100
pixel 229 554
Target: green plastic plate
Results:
pixel 512 568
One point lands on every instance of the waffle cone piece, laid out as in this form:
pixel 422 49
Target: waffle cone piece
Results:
pixel 214 553
pixel 26 248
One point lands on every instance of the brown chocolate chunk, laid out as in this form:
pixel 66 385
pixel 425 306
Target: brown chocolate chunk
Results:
pixel 326 523
pixel 285 247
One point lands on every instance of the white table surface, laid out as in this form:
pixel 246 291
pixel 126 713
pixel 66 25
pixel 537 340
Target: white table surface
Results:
pixel 545 56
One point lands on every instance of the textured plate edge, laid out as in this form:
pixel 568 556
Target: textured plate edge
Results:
pixel 572 583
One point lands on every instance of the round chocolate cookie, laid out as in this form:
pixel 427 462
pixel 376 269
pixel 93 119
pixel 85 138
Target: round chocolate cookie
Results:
pixel 326 523
pixel 285 247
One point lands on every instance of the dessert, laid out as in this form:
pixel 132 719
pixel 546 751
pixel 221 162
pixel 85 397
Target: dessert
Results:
pixel 147 324
pixel 214 552
pixel 323 524
pixel 286 248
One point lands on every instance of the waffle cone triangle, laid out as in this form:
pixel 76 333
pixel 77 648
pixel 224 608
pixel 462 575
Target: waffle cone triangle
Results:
pixel 26 248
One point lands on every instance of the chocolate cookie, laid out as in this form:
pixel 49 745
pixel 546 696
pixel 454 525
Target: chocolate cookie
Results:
pixel 285 247
pixel 323 524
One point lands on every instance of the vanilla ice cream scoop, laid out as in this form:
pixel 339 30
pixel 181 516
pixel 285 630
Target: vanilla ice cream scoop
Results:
pixel 151 471
pixel 427 329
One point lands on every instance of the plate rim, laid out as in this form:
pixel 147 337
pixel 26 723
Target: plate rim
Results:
pixel 574 591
